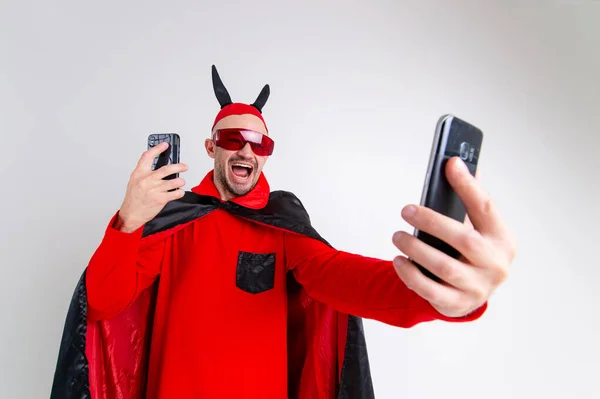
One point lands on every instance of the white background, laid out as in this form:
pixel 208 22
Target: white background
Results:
pixel 82 84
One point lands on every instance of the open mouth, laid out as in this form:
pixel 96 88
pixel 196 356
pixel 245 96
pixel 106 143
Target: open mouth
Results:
pixel 241 170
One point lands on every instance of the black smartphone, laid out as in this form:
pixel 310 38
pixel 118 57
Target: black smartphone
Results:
pixel 453 137
pixel 170 155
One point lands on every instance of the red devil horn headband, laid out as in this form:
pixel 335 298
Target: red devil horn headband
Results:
pixel 230 108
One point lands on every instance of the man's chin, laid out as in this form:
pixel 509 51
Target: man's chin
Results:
pixel 240 188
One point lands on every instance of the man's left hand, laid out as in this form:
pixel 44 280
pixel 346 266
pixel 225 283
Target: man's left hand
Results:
pixel 486 246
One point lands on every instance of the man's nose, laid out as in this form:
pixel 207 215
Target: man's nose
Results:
pixel 246 151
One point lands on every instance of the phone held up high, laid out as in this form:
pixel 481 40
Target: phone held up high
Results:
pixel 170 155
pixel 453 137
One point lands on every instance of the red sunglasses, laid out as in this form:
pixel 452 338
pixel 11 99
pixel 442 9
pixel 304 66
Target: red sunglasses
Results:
pixel 236 139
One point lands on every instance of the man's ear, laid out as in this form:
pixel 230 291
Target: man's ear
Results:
pixel 210 148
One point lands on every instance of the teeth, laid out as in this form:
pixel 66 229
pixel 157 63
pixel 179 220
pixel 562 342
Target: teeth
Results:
pixel 243 166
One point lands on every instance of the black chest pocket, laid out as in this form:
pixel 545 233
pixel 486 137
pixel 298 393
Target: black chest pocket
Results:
pixel 255 272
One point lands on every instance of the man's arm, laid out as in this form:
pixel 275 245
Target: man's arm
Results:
pixel 121 268
pixel 125 264
pixel 358 285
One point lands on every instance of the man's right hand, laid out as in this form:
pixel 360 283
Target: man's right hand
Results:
pixel 147 192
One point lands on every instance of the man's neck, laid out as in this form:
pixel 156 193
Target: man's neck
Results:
pixel 224 194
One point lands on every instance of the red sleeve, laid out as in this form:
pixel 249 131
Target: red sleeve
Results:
pixel 358 285
pixel 120 269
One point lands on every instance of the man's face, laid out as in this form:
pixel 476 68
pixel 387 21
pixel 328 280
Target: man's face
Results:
pixel 236 172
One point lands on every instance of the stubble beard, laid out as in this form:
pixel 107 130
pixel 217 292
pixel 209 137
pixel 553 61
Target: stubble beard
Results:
pixel 221 177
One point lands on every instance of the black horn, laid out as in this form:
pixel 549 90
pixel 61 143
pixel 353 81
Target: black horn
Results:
pixel 262 98
pixel 220 91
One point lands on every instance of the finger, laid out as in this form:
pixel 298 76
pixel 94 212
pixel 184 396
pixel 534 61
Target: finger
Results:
pixel 468 222
pixel 170 169
pixel 171 184
pixel 147 158
pixel 466 240
pixel 479 205
pixel 174 195
pixel 433 292
pixel 448 269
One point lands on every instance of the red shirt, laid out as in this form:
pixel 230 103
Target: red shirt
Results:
pixel 212 338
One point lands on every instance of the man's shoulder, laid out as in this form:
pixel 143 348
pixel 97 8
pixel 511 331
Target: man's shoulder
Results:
pixel 286 205
pixel 287 198
pixel 180 212
pixel 286 211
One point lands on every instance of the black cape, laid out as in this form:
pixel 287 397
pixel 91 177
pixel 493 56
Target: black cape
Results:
pixel 285 211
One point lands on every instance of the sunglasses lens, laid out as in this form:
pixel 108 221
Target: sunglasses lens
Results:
pixel 235 140
pixel 232 141
pixel 261 145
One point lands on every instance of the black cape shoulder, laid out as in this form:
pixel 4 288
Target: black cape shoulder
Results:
pixel 283 210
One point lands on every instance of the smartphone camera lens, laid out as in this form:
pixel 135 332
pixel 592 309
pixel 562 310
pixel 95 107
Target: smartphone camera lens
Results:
pixel 464 150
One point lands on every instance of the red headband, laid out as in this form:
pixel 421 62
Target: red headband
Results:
pixel 230 108
pixel 238 109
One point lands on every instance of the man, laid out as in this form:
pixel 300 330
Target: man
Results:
pixel 227 290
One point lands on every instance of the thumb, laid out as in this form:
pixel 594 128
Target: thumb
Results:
pixel 478 178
